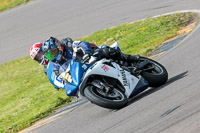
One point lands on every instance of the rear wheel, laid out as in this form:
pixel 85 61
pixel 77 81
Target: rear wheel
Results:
pixel 114 99
pixel 154 73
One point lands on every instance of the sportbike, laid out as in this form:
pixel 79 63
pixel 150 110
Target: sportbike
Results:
pixel 111 83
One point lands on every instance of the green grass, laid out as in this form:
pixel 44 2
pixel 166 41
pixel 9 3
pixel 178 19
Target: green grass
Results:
pixel 141 37
pixel 6 4
pixel 26 94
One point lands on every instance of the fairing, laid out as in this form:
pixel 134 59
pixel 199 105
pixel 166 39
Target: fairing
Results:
pixel 77 70
pixel 53 78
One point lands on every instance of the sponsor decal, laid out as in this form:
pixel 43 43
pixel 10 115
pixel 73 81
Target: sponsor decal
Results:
pixel 105 68
pixel 84 66
pixel 52 76
pixel 124 79
pixel 69 91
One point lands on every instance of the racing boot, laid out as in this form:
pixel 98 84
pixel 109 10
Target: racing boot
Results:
pixel 129 58
pixel 111 53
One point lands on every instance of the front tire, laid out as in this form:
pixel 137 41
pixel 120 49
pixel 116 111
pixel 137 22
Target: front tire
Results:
pixel 116 100
pixel 156 76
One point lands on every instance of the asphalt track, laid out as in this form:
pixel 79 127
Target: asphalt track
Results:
pixel 172 108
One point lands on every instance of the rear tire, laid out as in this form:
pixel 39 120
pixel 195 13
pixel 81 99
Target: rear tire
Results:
pixel 116 101
pixel 157 76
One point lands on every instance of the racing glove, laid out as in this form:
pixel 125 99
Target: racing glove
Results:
pixel 86 58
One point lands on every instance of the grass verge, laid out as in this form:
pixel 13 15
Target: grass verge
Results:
pixel 7 4
pixel 26 94
pixel 142 37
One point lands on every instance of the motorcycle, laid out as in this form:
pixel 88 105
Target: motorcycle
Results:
pixel 111 83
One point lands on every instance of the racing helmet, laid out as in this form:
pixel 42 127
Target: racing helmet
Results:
pixel 52 49
pixel 37 54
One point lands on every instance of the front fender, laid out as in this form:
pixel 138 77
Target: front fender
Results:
pixel 70 89
pixel 77 71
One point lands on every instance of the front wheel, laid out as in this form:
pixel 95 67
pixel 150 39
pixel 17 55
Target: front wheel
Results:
pixel 115 99
pixel 154 73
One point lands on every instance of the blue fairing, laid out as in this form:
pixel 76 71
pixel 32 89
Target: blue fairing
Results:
pixel 77 70
pixel 52 76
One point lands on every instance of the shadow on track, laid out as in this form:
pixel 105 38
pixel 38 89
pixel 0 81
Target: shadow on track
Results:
pixel 152 90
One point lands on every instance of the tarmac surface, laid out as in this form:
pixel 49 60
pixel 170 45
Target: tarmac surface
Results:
pixel 172 108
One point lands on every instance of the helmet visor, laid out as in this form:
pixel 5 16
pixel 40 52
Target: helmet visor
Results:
pixel 51 54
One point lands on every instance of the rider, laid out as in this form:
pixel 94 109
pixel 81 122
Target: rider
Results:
pixel 37 54
pixel 61 51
